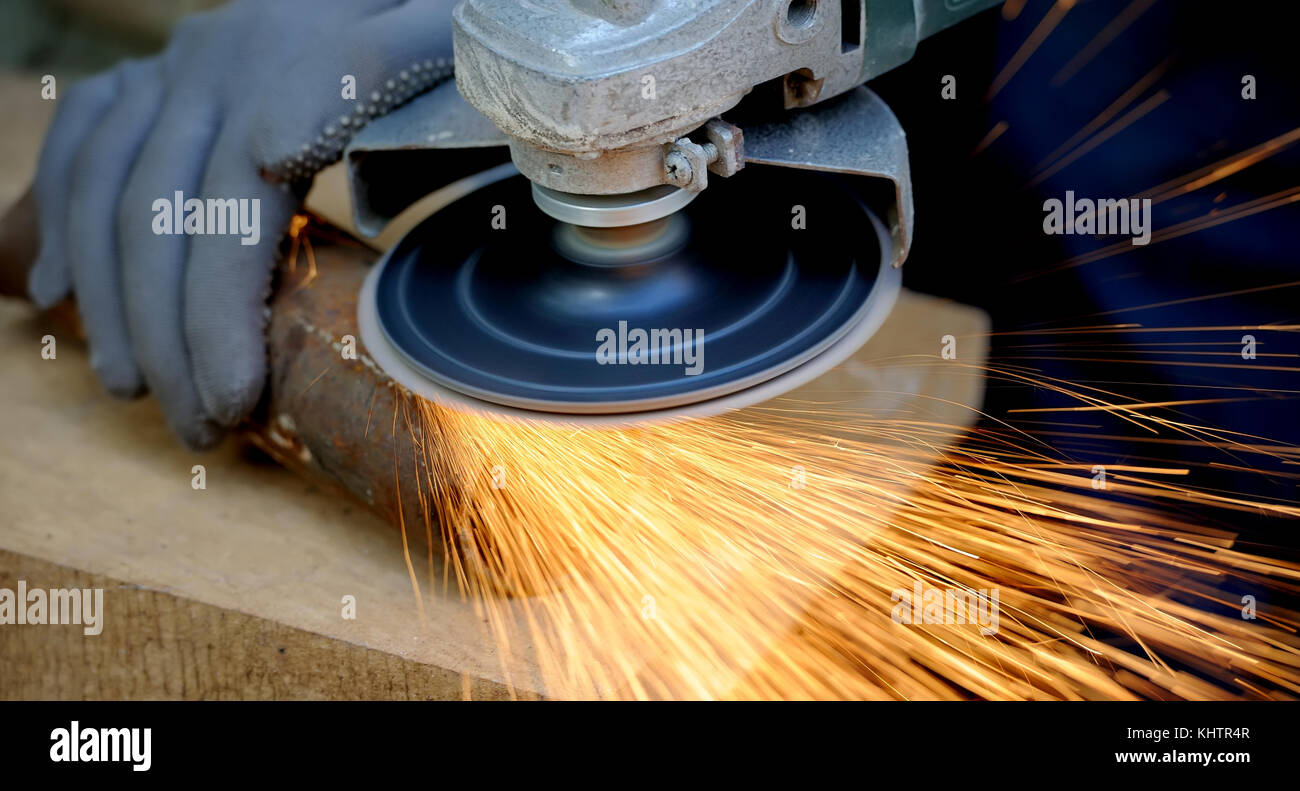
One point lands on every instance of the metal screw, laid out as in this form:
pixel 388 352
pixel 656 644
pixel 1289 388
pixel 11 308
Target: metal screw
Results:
pixel 677 168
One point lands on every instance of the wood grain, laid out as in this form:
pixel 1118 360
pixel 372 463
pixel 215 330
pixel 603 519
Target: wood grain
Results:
pixel 160 646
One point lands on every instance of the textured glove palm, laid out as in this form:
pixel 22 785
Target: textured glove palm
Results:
pixel 246 103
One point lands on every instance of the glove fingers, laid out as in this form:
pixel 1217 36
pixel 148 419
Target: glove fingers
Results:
pixel 228 277
pixel 227 282
pixel 99 176
pixel 79 113
pixel 304 120
pixel 153 251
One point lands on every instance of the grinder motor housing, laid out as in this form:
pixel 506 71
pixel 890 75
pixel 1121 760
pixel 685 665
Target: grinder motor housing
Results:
pixel 616 97
pixel 599 96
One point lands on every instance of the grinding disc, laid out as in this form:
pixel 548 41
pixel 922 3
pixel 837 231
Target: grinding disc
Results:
pixel 515 319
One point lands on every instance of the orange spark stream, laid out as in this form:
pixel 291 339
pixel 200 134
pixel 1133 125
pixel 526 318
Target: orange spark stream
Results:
pixel 762 555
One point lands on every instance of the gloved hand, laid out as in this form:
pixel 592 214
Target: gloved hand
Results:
pixel 247 102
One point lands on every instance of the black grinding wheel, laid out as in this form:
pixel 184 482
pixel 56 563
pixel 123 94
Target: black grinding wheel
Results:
pixel 502 315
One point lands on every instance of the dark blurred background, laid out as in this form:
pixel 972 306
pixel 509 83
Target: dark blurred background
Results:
pixel 979 235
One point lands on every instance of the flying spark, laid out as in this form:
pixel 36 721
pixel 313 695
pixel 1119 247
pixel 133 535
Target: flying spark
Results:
pixel 760 555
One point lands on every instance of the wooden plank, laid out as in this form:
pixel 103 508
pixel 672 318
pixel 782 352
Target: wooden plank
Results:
pixel 159 646
pixel 90 484
pixel 99 485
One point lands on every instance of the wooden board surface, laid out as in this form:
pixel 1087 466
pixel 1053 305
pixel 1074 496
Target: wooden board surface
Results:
pixel 235 590
pixel 165 646
pixel 93 485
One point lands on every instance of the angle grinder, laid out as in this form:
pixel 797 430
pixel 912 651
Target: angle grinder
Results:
pixel 603 276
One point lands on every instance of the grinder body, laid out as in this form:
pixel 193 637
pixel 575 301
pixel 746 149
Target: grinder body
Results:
pixel 613 110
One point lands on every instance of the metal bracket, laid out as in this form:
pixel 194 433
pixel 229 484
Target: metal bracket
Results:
pixel 419 147
pixel 687 163
pixel 856 134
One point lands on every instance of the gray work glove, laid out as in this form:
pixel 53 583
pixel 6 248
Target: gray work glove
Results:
pixel 247 102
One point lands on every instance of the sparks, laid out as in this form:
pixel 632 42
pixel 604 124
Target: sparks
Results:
pixel 754 555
